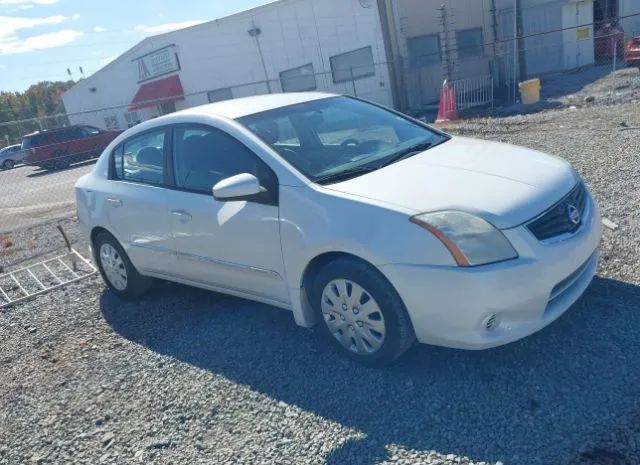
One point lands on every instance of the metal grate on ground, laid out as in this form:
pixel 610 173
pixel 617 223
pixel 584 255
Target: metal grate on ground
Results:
pixel 44 276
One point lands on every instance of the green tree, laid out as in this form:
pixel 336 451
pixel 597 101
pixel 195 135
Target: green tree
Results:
pixel 38 102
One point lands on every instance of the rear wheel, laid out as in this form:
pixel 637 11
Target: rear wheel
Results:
pixel 8 164
pixel 117 270
pixel 62 161
pixel 362 314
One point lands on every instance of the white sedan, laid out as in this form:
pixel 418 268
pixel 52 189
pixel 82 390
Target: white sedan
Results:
pixel 378 227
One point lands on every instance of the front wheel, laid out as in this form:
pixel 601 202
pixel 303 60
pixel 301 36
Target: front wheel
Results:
pixel 362 314
pixel 8 164
pixel 117 270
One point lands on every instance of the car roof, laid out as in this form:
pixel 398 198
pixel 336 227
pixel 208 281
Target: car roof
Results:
pixel 51 131
pixel 237 108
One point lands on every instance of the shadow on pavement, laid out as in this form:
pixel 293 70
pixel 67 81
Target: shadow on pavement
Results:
pixel 37 171
pixel 540 400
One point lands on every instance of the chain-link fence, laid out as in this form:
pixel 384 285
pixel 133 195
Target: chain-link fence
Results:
pixel 52 152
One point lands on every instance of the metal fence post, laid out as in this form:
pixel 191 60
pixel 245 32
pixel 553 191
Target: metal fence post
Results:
pixel 353 82
pixel 615 52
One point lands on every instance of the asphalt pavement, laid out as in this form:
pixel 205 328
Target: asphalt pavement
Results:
pixel 30 195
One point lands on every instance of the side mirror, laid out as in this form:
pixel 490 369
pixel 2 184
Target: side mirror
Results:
pixel 239 187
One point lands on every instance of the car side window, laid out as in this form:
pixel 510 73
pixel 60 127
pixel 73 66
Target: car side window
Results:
pixel 72 134
pixel 140 159
pixel 90 131
pixel 204 156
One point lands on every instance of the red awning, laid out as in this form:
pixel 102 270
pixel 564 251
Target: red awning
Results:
pixel 157 92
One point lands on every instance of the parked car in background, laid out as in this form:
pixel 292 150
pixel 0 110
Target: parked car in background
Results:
pixel 632 53
pixel 59 148
pixel 11 156
pixel 379 227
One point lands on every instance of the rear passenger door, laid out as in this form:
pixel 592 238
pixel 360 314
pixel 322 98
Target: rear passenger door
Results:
pixel 94 140
pixel 231 245
pixel 136 201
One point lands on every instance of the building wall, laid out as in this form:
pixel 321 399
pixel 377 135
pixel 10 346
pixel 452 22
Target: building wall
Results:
pixel 415 18
pixel 578 41
pixel 562 49
pixel 221 54
pixel 544 53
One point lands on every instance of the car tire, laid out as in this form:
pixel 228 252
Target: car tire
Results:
pixel 367 320
pixel 8 164
pixel 62 162
pixel 117 270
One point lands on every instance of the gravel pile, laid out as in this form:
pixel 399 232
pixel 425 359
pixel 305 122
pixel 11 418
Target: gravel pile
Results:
pixel 618 87
pixel 188 376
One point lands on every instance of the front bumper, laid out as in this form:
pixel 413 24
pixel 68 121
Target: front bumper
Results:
pixel 450 306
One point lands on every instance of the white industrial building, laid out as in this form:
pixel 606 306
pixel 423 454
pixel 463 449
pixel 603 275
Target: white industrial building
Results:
pixel 288 45
pixel 395 52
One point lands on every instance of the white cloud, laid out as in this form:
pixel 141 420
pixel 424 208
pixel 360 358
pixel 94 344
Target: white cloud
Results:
pixel 28 2
pixel 9 25
pixel 99 29
pixel 107 60
pixel 166 27
pixel 75 16
pixel 13 45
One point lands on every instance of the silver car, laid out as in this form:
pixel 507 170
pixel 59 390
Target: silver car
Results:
pixel 10 156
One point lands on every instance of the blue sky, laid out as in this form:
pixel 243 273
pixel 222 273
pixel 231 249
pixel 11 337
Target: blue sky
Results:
pixel 40 39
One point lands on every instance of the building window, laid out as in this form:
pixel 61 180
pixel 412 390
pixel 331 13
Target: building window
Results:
pixel 299 79
pixel 167 108
pixel 469 42
pixel 218 95
pixel 111 122
pixel 424 50
pixel 349 66
pixel 132 118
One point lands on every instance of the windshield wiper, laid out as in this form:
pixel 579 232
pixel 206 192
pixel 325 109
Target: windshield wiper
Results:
pixel 344 175
pixel 406 153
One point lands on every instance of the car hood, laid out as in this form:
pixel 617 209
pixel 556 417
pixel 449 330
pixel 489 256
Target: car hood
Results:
pixel 504 184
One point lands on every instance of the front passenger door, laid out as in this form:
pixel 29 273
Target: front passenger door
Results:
pixel 231 245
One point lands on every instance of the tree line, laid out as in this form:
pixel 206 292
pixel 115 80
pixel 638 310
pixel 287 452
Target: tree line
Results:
pixel 38 101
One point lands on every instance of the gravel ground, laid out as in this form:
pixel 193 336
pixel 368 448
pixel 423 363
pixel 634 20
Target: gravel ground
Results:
pixel 188 376
pixel 26 245
pixel 618 87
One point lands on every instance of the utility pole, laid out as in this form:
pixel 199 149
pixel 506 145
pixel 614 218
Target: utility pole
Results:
pixel 496 72
pixel 522 59
pixel 448 64
pixel 255 33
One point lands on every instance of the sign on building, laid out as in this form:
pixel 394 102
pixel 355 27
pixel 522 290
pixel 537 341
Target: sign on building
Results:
pixel 157 63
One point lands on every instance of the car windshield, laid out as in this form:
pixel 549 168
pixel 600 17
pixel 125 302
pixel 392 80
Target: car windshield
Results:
pixel 26 143
pixel 333 139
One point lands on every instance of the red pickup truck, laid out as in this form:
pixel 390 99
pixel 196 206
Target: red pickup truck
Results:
pixel 58 148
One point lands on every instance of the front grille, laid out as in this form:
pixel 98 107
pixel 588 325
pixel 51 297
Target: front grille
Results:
pixel 559 219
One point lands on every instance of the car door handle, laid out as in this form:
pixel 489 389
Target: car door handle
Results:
pixel 114 202
pixel 183 215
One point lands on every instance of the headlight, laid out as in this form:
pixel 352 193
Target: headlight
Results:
pixel 471 240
